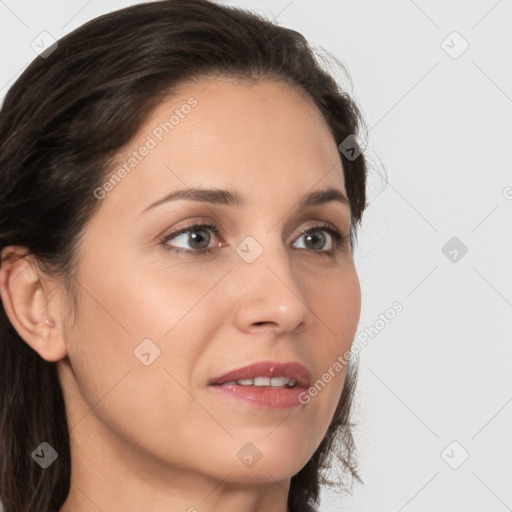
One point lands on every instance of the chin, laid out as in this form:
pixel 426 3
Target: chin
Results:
pixel 264 474
pixel 274 464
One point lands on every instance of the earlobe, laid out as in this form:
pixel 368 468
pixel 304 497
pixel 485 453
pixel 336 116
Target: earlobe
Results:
pixel 27 303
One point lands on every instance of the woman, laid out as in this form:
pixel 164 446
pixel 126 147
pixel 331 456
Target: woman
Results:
pixel 180 192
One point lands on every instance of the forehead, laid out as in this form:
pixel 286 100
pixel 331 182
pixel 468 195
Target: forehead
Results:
pixel 251 136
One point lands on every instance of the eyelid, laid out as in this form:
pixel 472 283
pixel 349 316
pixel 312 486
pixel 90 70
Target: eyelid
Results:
pixel 340 238
pixel 194 226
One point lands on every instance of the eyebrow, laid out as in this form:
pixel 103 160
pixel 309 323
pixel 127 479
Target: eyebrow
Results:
pixel 232 198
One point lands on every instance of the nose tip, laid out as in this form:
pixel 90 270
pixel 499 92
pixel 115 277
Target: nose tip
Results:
pixel 271 298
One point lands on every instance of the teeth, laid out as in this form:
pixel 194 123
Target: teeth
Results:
pixel 262 381
pixel 277 382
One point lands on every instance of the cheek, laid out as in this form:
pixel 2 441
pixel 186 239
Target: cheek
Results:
pixel 338 310
pixel 336 301
pixel 128 312
pixel 113 383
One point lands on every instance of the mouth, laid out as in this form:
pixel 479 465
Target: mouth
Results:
pixel 274 382
pixel 265 384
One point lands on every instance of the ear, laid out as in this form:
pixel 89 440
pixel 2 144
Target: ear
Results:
pixel 27 300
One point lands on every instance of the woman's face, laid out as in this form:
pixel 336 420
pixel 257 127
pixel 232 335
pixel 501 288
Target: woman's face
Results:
pixel 156 325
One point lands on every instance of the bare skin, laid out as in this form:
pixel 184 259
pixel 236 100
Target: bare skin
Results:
pixel 156 437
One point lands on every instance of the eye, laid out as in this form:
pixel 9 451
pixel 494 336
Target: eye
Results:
pixel 316 239
pixel 197 236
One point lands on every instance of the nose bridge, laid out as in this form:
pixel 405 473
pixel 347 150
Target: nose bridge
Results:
pixel 270 292
pixel 267 261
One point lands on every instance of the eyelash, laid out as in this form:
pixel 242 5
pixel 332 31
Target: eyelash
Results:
pixel 339 240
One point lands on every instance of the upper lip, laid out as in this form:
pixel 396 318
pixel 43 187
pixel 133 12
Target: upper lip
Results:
pixel 291 370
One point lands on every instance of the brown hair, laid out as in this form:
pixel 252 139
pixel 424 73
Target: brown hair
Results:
pixel 61 124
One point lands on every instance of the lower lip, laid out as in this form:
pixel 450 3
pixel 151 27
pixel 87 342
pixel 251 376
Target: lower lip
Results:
pixel 263 396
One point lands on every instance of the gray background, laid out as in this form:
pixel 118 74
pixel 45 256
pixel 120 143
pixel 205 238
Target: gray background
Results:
pixel 435 382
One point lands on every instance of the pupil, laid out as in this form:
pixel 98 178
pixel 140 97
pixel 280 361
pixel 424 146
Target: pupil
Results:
pixel 319 236
pixel 194 239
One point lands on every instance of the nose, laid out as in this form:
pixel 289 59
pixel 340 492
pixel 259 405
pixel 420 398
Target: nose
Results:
pixel 270 296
